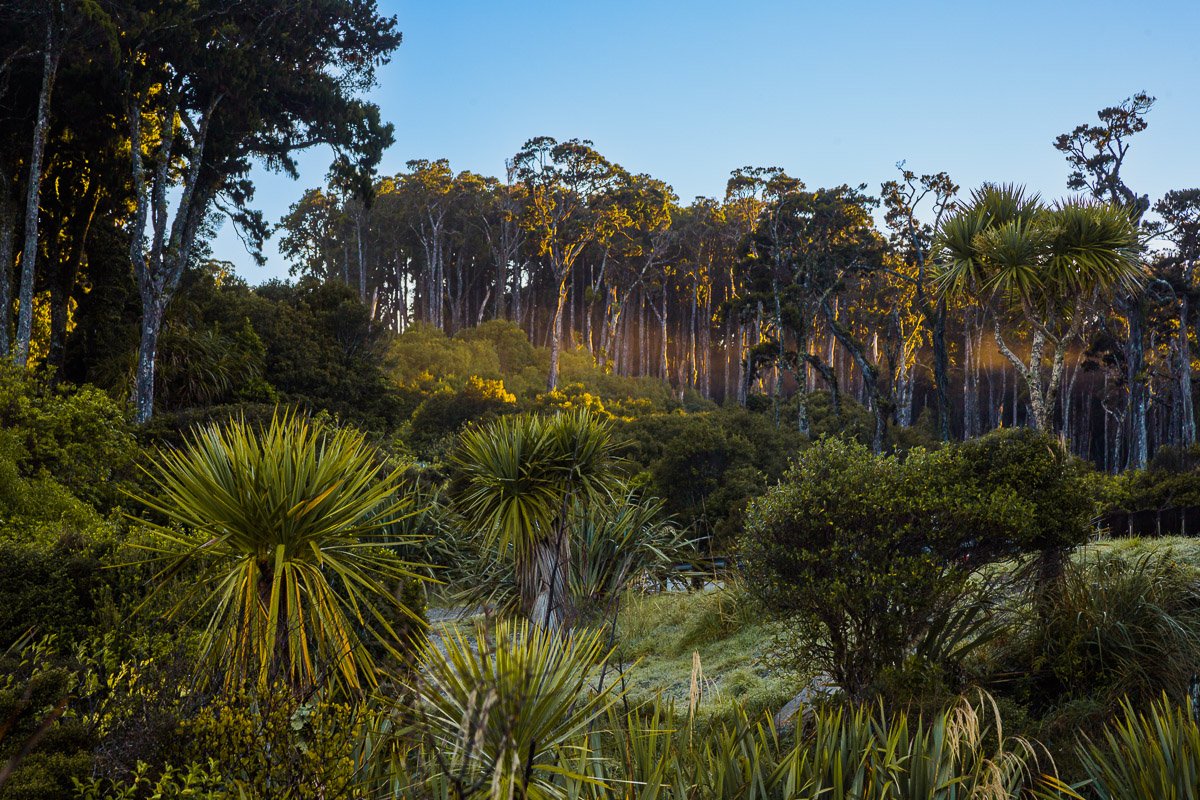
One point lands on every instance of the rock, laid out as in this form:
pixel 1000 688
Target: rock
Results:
pixel 819 688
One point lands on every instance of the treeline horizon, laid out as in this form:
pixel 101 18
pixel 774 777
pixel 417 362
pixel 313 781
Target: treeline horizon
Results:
pixel 131 127
pixel 776 289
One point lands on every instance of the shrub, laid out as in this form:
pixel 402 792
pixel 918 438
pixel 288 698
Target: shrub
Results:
pixel 79 436
pixel 285 526
pixel 441 415
pixel 865 553
pixel 707 465
pixel 494 716
pixel 1115 627
pixel 1056 493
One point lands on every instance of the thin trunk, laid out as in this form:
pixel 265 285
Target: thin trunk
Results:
pixel 643 342
pixel 941 370
pixel 556 331
pixel 8 231
pixel 362 258
pixel 664 363
pixel 1135 381
pixel 550 607
pixel 29 250
pixel 1187 414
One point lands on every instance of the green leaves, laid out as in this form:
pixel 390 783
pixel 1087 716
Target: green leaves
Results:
pixel 1006 243
pixel 284 528
pixel 495 713
pixel 520 473
pixel 1155 754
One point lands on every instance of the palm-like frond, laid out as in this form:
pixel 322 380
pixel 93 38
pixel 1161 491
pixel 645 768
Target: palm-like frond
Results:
pixel 1006 243
pixel 496 713
pixel 283 525
pixel 1151 754
pixel 1002 203
pixel 960 267
pixel 1013 253
pixel 513 479
pixel 1092 246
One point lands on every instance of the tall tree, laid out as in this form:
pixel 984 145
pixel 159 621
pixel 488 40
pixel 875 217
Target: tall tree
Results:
pixel 57 20
pixel 1179 225
pixel 1040 267
pixel 213 86
pixel 912 243
pixel 569 187
pixel 1096 154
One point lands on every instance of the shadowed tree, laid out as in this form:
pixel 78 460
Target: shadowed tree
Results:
pixel 214 86
pixel 1096 154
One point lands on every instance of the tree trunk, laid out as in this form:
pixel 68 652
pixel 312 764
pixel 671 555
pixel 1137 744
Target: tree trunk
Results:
pixel 152 318
pixel 941 370
pixel 29 250
pixel 551 605
pixel 1135 381
pixel 1187 414
pixel 664 362
pixel 362 258
pixel 556 330
pixel 8 232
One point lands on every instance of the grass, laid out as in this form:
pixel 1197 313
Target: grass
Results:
pixel 659 633
pixel 1184 550
pixel 664 632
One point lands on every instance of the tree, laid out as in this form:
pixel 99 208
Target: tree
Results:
pixel 1097 155
pixel 285 527
pixel 1044 267
pixel 518 480
pixel 805 251
pixel 213 86
pixel 569 187
pixel 1179 224
pixel 912 244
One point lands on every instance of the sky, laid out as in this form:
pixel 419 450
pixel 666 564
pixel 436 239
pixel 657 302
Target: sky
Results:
pixel 834 92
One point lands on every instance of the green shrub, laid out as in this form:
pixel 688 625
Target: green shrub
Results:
pixel 79 436
pixel 707 465
pixel 865 553
pixel 44 745
pixel 441 415
pixel 1115 627
pixel 1055 491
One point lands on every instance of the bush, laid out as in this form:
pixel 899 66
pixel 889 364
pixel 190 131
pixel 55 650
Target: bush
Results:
pixel 1056 492
pixel 1115 627
pixel 865 553
pixel 78 435
pixel 46 747
pixel 440 416
pixel 707 465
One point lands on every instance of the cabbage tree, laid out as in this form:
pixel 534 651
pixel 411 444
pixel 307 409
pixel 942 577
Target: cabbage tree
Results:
pixel 1044 266
pixel 520 481
pixel 280 532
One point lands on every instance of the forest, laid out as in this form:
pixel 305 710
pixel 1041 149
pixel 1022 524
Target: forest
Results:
pixel 551 484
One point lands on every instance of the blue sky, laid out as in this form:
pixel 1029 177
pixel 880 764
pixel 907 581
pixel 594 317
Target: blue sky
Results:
pixel 833 92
